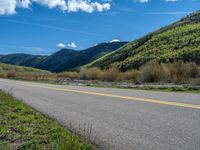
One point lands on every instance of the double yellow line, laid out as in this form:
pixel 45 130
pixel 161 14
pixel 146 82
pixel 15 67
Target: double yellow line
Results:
pixel 118 96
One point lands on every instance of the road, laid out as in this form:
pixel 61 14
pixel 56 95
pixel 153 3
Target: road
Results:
pixel 118 119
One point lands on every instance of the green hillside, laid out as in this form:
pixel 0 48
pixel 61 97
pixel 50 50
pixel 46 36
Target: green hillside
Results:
pixel 23 73
pixel 7 67
pixel 22 59
pixel 178 41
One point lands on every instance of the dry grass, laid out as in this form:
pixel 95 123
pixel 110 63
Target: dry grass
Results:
pixel 90 74
pixel 152 72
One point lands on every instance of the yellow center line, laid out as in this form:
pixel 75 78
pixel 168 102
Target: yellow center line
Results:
pixel 155 101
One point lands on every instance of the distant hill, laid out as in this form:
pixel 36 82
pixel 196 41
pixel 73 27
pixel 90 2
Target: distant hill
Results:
pixel 85 56
pixel 62 60
pixel 53 62
pixel 178 41
pixel 22 59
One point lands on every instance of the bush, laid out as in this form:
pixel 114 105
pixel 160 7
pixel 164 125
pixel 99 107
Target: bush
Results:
pixel 70 75
pixel 152 72
pixel 177 72
pixel 111 75
pixel 90 74
pixel 3 75
pixel 193 70
pixel 132 75
pixel 181 72
pixel 11 74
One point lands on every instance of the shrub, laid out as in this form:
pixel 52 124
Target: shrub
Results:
pixel 152 72
pixel 111 75
pixel 3 74
pixel 11 74
pixel 132 75
pixel 176 72
pixel 179 71
pixel 70 75
pixel 193 70
pixel 90 74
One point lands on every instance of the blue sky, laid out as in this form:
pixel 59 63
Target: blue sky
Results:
pixel 43 26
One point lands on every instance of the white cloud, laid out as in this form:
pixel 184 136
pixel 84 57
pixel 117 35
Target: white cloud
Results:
pixel 24 3
pixel 61 45
pixel 142 1
pixel 114 40
pixel 102 7
pixel 53 3
pixel 72 45
pixel 8 7
pixel 86 6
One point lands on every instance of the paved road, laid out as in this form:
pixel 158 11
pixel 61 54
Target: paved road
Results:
pixel 120 119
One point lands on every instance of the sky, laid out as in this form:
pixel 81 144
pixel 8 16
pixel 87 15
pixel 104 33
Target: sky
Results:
pixel 42 27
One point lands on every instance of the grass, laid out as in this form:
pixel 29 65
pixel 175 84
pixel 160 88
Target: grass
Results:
pixel 21 127
pixel 173 89
pixel 176 73
pixel 164 89
pixel 90 83
pixel 7 67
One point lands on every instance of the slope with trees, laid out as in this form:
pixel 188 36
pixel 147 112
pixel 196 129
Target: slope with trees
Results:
pixel 178 41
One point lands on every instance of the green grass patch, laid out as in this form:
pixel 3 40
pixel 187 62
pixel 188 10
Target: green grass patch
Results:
pixel 172 89
pixel 8 67
pixel 23 128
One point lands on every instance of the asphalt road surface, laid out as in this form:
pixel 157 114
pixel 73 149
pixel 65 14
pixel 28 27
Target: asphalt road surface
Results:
pixel 118 119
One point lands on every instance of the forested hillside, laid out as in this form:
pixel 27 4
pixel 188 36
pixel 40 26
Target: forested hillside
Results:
pixel 22 59
pixel 178 41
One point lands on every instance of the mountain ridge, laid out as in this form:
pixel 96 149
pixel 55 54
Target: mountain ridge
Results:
pixel 64 59
pixel 90 54
pixel 22 59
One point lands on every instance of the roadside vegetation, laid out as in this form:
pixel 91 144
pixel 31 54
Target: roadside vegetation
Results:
pixel 23 128
pixel 18 72
pixel 178 72
pixel 152 72
pixel 7 67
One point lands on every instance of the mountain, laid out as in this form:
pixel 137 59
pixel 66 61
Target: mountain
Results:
pixel 22 59
pixel 65 59
pixel 53 62
pixel 178 41
pixel 85 56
